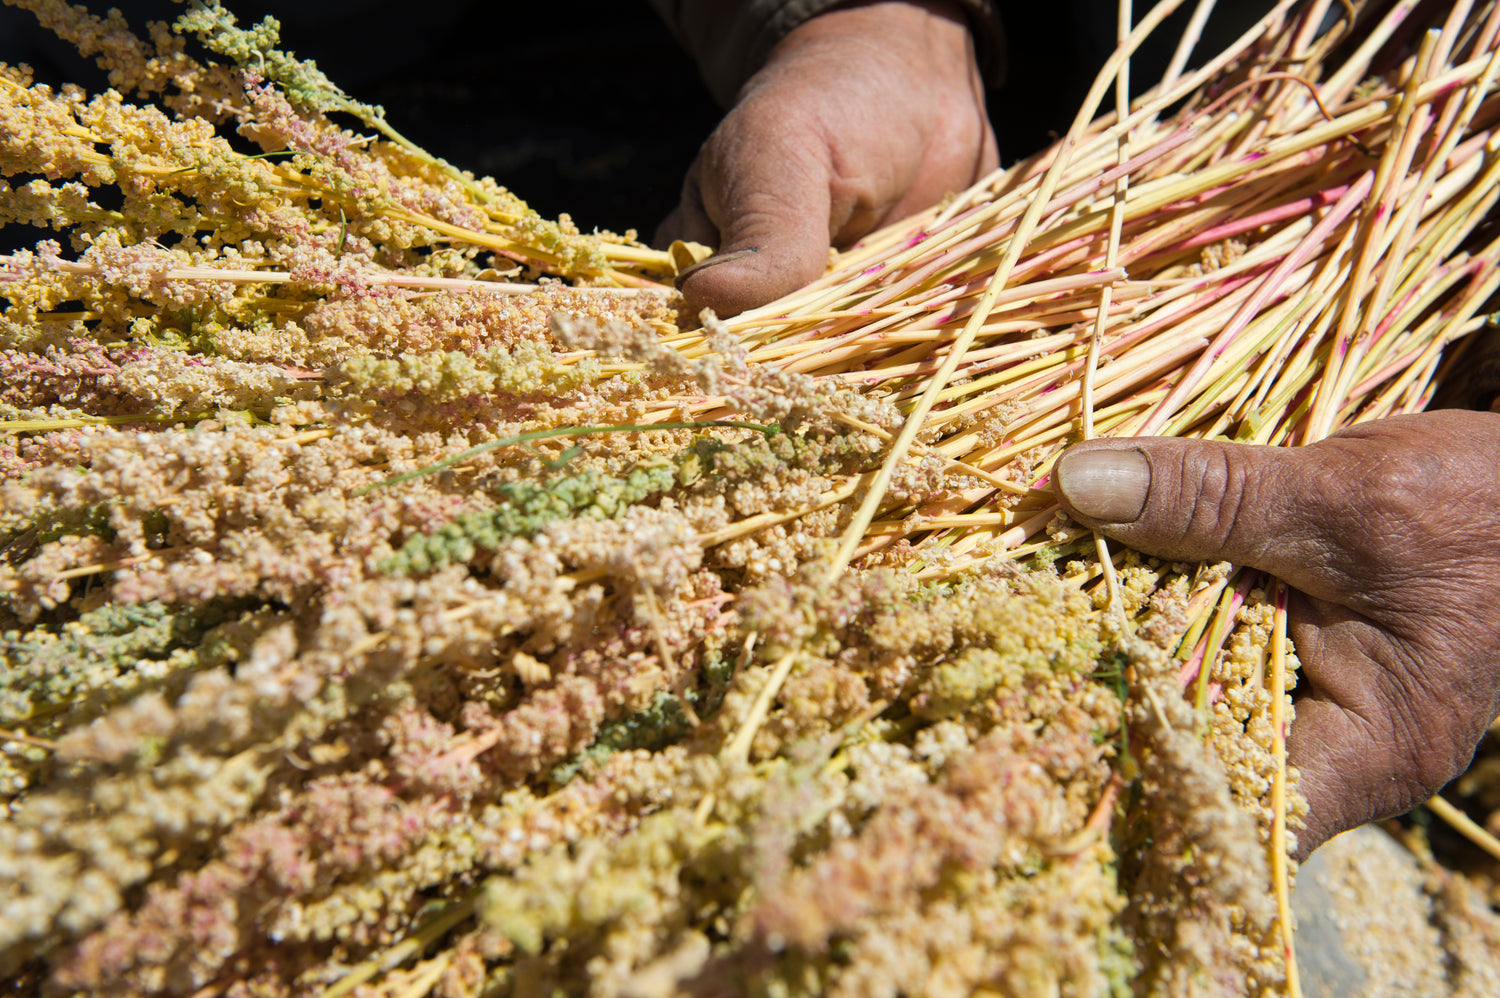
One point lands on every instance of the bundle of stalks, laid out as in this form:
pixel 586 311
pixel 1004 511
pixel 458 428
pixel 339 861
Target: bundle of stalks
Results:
pixel 1287 254
pixel 382 618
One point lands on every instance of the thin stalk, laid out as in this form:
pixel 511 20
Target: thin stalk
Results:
pixel 1279 851
pixel 1337 87
pixel 738 750
pixel 914 424
pixel 1394 164
pixel 1187 43
pixel 1111 257
pixel 1199 613
pixel 1464 825
pixel 423 936
pixel 1267 286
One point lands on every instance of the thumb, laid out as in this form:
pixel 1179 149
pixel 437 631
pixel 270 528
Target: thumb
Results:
pixel 1203 500
pixel 771 207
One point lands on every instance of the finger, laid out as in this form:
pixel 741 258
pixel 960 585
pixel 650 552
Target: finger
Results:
pixel 770 200
pixel 1201 500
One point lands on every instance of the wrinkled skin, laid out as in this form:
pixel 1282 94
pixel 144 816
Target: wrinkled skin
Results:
pixel 860 117
pixel 1390 534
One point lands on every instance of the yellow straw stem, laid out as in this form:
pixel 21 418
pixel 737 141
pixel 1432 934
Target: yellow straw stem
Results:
pixel 1111 258
pixel 1279 871
pixel 1465 826
pixel 425 935
pixel 1394 163
pixel 738 750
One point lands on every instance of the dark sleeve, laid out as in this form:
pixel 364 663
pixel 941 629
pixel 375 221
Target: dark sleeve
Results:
pixel 731 40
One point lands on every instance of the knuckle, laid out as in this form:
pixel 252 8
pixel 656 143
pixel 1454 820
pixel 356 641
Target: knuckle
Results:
pixel 1211 498
pixel 1381 490
pixel 1227 479
pixel 1388 514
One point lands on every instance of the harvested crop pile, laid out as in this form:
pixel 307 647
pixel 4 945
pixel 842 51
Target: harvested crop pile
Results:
pixel 401 596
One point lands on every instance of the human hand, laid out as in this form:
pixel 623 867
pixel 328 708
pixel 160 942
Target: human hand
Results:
pixel 1390 534
pixel 860 116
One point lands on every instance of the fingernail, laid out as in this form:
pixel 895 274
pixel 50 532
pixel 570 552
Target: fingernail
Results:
pixel 1105 485
pixel 712 261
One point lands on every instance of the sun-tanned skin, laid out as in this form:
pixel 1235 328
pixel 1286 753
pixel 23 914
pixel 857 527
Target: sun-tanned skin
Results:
pixel 1390 534
pixel 1390 531
pixel 859 117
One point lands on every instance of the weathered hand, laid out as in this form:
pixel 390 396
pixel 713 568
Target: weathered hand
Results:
pixel 1390 534
pixel 861 116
